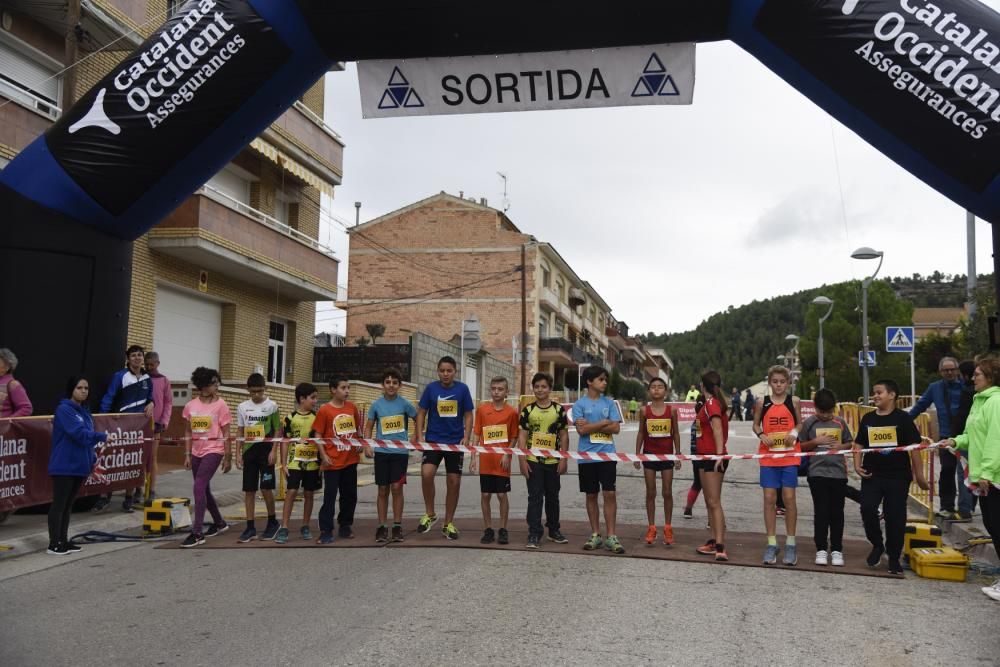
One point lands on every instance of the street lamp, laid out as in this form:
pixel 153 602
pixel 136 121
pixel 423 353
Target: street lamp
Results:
pixel 866 253
pixel 793 358
pixel 822 301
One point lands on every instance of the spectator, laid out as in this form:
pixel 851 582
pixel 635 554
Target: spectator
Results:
pixel 692 395
pixel 748 403
pixel 71 460
pixel 163 404
pixel 735 413
pixel 131 391
pixel 945 394
pixel 14 400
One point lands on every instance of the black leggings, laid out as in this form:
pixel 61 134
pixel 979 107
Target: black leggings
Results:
pixel 990 507
pixel 64 489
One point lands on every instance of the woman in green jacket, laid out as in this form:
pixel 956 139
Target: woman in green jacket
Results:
pixel 982 441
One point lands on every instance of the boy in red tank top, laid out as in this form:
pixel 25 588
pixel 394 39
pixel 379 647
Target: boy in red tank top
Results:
pixel 658 434
pixel 775 418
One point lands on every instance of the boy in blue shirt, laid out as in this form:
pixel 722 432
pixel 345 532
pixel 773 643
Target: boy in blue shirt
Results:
pixel 597 420
pixel 446 408
pixel 389 417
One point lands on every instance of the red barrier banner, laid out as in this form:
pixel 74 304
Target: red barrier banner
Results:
pixel 25 443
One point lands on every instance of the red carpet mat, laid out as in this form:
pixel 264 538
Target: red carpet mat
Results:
pixel 744 549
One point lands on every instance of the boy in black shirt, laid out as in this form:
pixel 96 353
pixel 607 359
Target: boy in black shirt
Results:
pixel 885 477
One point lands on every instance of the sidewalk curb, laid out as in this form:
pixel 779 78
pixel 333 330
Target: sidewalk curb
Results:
pixel 959 534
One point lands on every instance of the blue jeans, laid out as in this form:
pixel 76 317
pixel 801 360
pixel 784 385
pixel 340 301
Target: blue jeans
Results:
pixel 966 500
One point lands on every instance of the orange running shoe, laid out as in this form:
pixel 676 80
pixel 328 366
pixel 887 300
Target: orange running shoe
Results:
pixel 668 534
pixel 720 553
pixel 707 549
pixel 650 534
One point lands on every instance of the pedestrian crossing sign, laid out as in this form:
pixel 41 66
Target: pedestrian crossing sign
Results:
pixel 899 339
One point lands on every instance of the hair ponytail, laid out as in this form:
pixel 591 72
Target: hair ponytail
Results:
pixel 713 385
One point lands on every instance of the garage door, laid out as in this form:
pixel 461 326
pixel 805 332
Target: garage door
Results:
pixel 187 332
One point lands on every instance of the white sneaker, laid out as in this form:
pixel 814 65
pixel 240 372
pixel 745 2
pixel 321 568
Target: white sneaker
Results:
pixel 821 557
pixel 992 592
pixel 837 558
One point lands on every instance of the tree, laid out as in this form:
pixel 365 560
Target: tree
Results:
pixel 973 334
pixel 361 342
pixel 375 330
pixel 615 383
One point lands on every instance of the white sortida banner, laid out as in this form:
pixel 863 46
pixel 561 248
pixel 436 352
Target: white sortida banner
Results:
pixel 627 76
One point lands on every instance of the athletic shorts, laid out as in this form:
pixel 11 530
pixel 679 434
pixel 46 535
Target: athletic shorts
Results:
pixel 596 477
pixel 494 484
pixel 453 461
pixel 256 472
pixel 709 466
pixel 309 480
pixel 390 468
pixel 658 466
pixel 779 477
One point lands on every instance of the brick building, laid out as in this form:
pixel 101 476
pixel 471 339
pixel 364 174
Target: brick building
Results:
pixel 429 265
pixel 231 277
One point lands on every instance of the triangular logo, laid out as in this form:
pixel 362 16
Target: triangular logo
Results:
pixel 900 340
pixel 398 93
pixel 654 64
pixel 397 78
pixel 654 80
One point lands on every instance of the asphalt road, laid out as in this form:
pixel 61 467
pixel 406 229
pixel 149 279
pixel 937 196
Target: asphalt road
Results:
pixel 146 606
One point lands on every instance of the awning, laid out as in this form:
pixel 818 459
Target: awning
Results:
pixel 289 164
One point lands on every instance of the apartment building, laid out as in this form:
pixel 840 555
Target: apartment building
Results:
pixel 231 277
pixel 434 263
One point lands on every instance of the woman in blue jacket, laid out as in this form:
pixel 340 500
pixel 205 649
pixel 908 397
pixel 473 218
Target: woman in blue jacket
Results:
pixel 71 461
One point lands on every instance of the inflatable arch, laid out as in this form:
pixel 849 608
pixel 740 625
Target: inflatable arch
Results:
pixel 919 80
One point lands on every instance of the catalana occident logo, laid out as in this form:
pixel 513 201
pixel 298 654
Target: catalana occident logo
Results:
pixel 169 72
pixel 399 93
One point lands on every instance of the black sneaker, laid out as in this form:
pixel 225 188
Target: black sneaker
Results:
pixel 557 537
pixel 487 537
pixel 533 542
pixel 397 533
pixel 192 540
pixel 127 505
pixel 895 567
pixel 101 505
pixel 875 556
pixel 214 530
pixel 688 513
pixel 72 548
pixel 56 550
pixel 270 530
pixel 382 534
pixel 503 537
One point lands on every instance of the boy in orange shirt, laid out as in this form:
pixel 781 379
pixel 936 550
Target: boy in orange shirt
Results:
pixel 338 419
pixel 495 426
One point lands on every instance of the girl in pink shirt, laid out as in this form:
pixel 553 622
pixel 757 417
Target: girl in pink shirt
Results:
pixel 207 420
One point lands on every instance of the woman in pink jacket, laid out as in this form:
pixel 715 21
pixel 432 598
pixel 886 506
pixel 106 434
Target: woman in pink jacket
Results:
pixel 14 401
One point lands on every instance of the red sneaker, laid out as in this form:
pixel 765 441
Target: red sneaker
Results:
pixel 668 534
pixel 650 534
pixel 707 549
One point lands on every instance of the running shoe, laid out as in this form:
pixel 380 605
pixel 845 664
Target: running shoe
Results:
pixel 101 505
pixel 791 555
pixel 487 537
pixel 595 542
pixel 780 511
pixel 503 537
pixel 557 537
pixel 426 521
pixel 397 533
pixel 247 535
pixel 961 517
pixel 270 530
pixel 771 554
pixel 720 554
pixel 60 550
pixel 192 540
pixel 72 548
pixel 614 545
pixel 944 513
pixel 382 534
pixel 895 567
pixel 875 556
pixel 281 536
pixel 345 533
pixel 214 529
pixel 688 513
pixel 707 549
pixel 449 531
pixel 325 538
pixel 992 592
pixel 822 557
pixel 305 532
pixel 127 505
pixel 837 559
pixel 668 535
pixel 650 535
pixel 533 542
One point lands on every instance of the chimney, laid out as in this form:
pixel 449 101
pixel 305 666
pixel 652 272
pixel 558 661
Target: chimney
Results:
pixel 482 200
pixel 461 194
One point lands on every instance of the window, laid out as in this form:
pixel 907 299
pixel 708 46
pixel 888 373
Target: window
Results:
pixel 543 329
pixel 546 276
pixel 560 328
pixel 231 183
pixel 276 352
pixel 561 289
pixel 172 6
pixel 4 162
pixel 29 77
pixel 593 314
pixel 286 209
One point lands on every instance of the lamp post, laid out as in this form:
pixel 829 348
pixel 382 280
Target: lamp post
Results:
pixel 793 358
pixel 822 301
pixel 866 253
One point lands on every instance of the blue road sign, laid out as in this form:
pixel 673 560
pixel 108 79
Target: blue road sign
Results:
pixel 871 358
pixel 899 339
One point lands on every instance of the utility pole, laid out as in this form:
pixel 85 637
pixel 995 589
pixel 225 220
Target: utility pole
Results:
pixel 524 318
pixel 72 50
pixel 970 249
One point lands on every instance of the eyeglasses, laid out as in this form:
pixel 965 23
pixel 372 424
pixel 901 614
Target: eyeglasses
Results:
pixel 948 370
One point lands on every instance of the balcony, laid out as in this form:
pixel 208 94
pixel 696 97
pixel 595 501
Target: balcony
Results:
pixel 563 352
pixel 217 233
pixel 102 29
pixel 303 137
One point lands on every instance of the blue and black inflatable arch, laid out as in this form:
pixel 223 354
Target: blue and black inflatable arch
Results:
pixel 919 80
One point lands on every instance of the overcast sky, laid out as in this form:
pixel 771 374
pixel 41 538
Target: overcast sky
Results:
pixel 672 213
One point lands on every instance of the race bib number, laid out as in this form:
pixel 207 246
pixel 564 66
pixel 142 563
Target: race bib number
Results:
pixel 306 452
pixel 201 424
pixel 344 425
pixel 447 407
pixel 831 432
pixel 780 442
pixel 254 432
pixel 495 435
pixel 659 428
pixel 543 440
pixel 601 439
pixel 882 436
pixel 393 425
